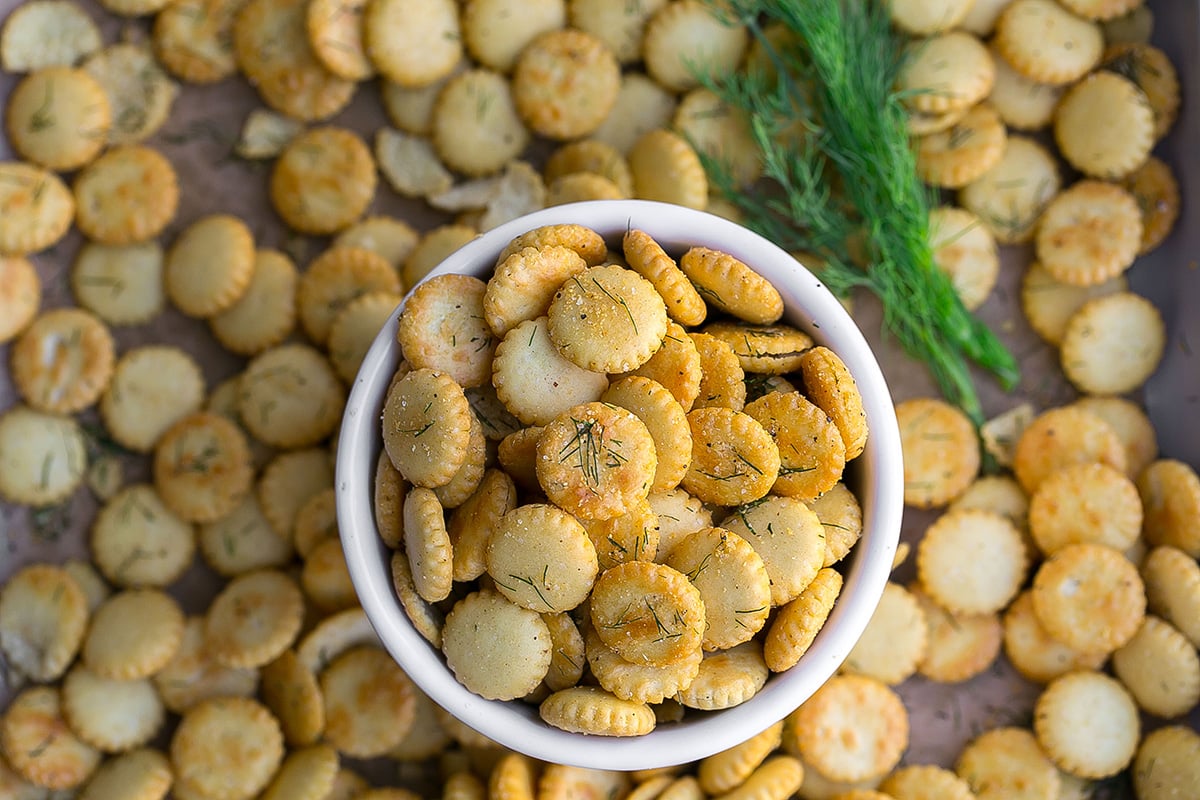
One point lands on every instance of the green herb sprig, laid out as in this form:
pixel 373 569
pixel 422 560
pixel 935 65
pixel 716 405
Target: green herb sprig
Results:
pixel 839 171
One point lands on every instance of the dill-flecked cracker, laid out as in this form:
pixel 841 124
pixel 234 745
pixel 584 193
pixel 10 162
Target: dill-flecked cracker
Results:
pixel 37 208
pixel 139 92
pixel 646 257
pixel 1113 344
pixel 127 195
pixel 629 536
pixel 1160 668
pixel 39 744
pixel 112 716
pixel 227 747
pixel 946 71
pixel 1170 492
pixel 1085 503
pixel 763 349
pixel 427 544
pixel 193 39
pixel 335 31
pixel 637 681
pixel 1047 43
pixel 607 319
pixel 334 278
pixel 47 33
pixel 265 313
pixel 123 285
pixel 43 457
pixel 63 361
pixel 202 467
pixel 960 646
pixel 721 132
pixel 410 164
pixel 734 458
pixel 593 157
pixel 1167 762
pixel 1153 72
pixel 733 582
pixel 1049 304
pixel 812 453
pixel 1033 652
pixel 1131 424
pixel 443 328
pixel 666 421
pixel 1104 126
pixel 732 286
pixel 290 396
pixel 152 388
pixel 43 617
pixel 496 648
pixel 727 678
pixel 721 381
pixel 191 676
pixel 426 427
pixel 1059 437
pixel 58 118
pixel 413 42
pixel 137 541
pixel 678 366
pixel 209 265
pixel 354 330
pixel 475 126
pixel 965 249
pixel 525 282
pixel 972 561
pixel 472 524
pixel 680 35
pixel 648 613
pixel 1156 190
pixel 496 31
pixel 323 181
pixel 941 451
pixel 1010 197
pixel 1087 701
pixel 1089 233
pixel 564 83
pixel 541 558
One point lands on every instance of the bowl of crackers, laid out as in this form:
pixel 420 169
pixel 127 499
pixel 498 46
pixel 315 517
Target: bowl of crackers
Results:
pixel 619 484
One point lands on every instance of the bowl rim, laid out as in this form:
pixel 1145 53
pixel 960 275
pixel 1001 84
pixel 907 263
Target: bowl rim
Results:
pixel 515 724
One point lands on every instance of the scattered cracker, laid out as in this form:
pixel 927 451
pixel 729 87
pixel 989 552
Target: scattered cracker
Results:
pixel 1047 43
pixel 58 118
pixel 210 265
pixel 941 451
pixel 1010 197
pixel 1170 492
pixel 141 774
pixel 1113 344
pixel 960 646
pixel 20 296
pixel 1156 190
pixel 1031 650
pixel 63 361
pixel 115 649
pixel 112 716
pixel 323 181
pixel 43 616
pixel 1008 762
pixel 642 105
pixel 265 313
pixel 139 92
pixel 1152 71
pixel 812 453
pixel 227 748
pixel 290 396
pixel 335 31
pixel 191 675
pixel 369 702
pixel 1160 668
pixel 895 640
pixel 47 33
pixel 1060 437
pixel 1023 104
pixel 254 618
pixel 1104 126
pixel 137 541
pixel 945 72
pixel 1049 304
pixel 202 467
pixel 37 741
pixel 1089 233
pixel 413 42
pixel 852 728
pixel 680 35
pixel 1167 763
pixel 153 387
pixel 971 561
pixel 37 208
pixel 123 285
pixel 43 457
pixel 1089 597
pixel 965 249
pixel 1088 724
pixel 193 39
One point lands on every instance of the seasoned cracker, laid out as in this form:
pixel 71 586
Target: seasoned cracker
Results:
pixel 43 616
pixel 306 774
pixel 1089 597
pixel 141 774
pixel 776 779
pixel 1010 197
pixel 1049 304
pixel 727 678
pixel 1152 71
pixel 265 313
pixel 607 319
pixel 115 649
pixel 680 35
pixel 63 361
pixel 1172 580
pixel 227 748
pixel 369 702
pixel 789 538
pixel 830 386
pixel 925 779
pixel 733 583
pixel 853 728
pixel 335 31
pixel 666 421
pixel 191 675
pixel 496 648
pixel 590 156
pixel 254 618
pixel 411 108
pixel 152 388
pixel 1156 190
pixel 638 681
pixel 941 451
pixel 646 257
pixel 410 164
pixel 1170 493
pixel 392 238
pixel 972 561
pixel 442 327
pixel 1023 104
pixel 426 424
pixel 496 31
pixel 1085 503
pixel 20 295
pixel 202 467
pixel 591 710
pixel 721 132
pixel 920 18
pixel 123 285
pixel 243 540
pixel 648 613
pixel 960 646
pixel 472 524
pixel 95 590
pixel 895 641
pixel 564 83
pixel 43 457
pixel 732 286
pixel 1131 424
pixel 629 536
pixel 517 454
pixel 1047 43
pixel 588 244
pixel 210 265
pixel 1033 652
pixel 525 282
pixel 475 126
pixel 112 716
pixel 266 133
pixel 37 741
pixel 335 278
pixel 679 366
pixel 579 187
pixel 763 349
pixel 58 118
pixel 426 738
pixel 1060 437
pixel 426 618
pixel 47 33
pixel 139 92
pixel 334 635
pixel 666 168
pixel 730 768
pixel 1160 668
pixel 127 195
pixel 413 43
pixel 137 541
pixel 840 515
pixel 679 515
pixel 945 72
pixel 1087 701
pixel 541 558
pixel 722 382
pixel 1008 762
pixel 354 330
pixel 812 453
pixel 642 105
pixel 290 396
pixel 965 249
pixel 427 544
pixel 323 181
pixel 37 208
pixel 734 458
pixel 316 521
pixel 193 39
pixel 1166 763
pixel 1113 344
pixel 1104 126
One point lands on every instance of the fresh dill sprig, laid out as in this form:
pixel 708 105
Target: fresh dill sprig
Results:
pixel 839 176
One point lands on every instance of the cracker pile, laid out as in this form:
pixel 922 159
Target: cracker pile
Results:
pixel 279 687
pixel 656 490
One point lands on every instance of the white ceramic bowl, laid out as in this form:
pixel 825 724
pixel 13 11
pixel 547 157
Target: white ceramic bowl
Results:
pixel 876 476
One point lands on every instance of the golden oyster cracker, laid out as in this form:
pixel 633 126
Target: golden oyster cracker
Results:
pixel 43 616
pixel 1022 104
pixel 333 279
pixel 141 774
pixel 243 540
pixel 37 208
pixel 594 460
pixel 426 617
pixel 254 618
pixel 191 675
pixel 63 361
pixel 646 257
pixel 853 728
pixel 1113 344
pixel 210 265
pixel 370 703
pixel 722 382
pixel 121 285
pixel 1131 424
pixel 472 524
pixel 1049 304
pixel 966 250
pixel 127 195
pixel 1033 652
pixel 553 72
pixel 620 27
pixel 778 777
pixel 642 105
pixel 1008 762
pixel 58 118
pixel 1085 503
pixel 265 313
pixel 789 538
pixel 139 92
pixel 541 558
pixel 227 748
pixel 840 516
pixel 679 515
pixel 335 32
pixel 1087 701
pixel 517 454
pixel 1156 190
pixel 413 43
pixel 323 181
pixel 1150 70
pixel 442 327
pixel 1011 196
pixel 427 544
pixel 590 156
pixel 1104 126
pixel 680 34
pixel 666 168
pixel 495 648
pixel 941 451
pixel 678 366
pixel 569 656
pixel 20 295
pixel 392 238
pixel 390 490
pixel 607 319
pixel 193 39
pixel 648 613
pixel 591 710
pixel 333 636
pixel 579 187
pixel 426 738
pixel 496 31
pixel 927 779
pixel 112 716
pixel 95 590
pixel 733 583
pixel 1172 580
pixel 972 561
pixel 306 774
pixel 520 190
pixel 637 681
pixel 720 132
pixel 763 349
pixel 115 649
pixel 524 283
pixel 964 151
pixel 730 768
pixel 629 536
pixel 43 457
pixel 410 108
pixel 588 244
pixel 732 286
pixel 830 386
pixel 1170 492
pixel 137 541
pixel 354 329
pixel 426 424
pixel 1160 668
pixel 47 33
pixel 475 126
pixel 266 133
pixel 290 396
pixel 202 467
pixel 734 459
pixel 960 646
pixel 666 421
pixel 812 453
pixel 1089 597
pixel 410 164
pixel 946 71
pixel 895 641
pixel 1047 43
pixel 467 479
pixel 37 741
pixel 1165 763
pixel 153 387
pixel 513 778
